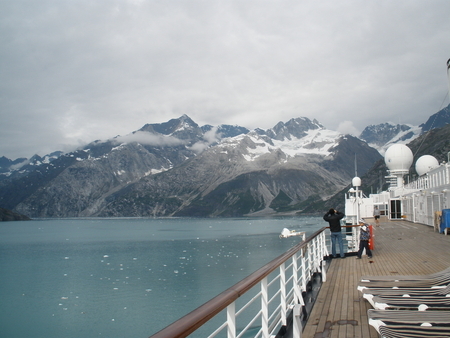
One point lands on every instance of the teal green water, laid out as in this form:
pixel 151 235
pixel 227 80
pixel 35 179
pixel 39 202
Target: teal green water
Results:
pixel 126 277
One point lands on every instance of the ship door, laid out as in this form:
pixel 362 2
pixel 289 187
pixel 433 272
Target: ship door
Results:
pixel 396 209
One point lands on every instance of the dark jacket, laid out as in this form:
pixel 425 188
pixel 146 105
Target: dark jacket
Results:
pixel 334 220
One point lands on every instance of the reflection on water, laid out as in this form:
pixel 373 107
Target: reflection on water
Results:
pixel 126 277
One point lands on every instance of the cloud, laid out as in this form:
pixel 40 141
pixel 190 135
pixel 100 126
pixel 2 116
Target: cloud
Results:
pixel 146 138
pixel 209 137
pixel 73 72
pixel 347 127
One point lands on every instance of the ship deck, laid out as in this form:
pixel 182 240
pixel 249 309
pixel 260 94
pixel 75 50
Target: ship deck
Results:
pixel 400 248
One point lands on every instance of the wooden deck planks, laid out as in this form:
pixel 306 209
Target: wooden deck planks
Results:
pixel 401 248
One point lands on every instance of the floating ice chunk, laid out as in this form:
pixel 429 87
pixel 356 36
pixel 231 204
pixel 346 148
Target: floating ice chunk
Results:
pixel 66 257
pixel 105 256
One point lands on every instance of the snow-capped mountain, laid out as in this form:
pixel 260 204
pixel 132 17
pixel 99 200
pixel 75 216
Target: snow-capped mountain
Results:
pixel 179 168
pixel 383 135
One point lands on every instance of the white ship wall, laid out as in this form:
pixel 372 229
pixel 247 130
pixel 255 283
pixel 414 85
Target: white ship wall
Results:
pixel 425 196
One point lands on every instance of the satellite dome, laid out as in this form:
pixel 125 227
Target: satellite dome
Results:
pixel 356 182
pixel 426 163
pixel 398 157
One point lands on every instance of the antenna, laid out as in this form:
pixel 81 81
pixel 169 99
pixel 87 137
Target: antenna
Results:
pixel 356 167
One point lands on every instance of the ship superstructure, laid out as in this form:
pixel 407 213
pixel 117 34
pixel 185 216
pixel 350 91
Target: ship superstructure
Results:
pixel 419 201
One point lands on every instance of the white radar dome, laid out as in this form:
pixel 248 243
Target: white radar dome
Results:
pixel 398 157
pixel 356 182
pixel 426 163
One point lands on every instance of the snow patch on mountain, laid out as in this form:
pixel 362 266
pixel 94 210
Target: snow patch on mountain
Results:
pixel 403 137
pixel 316 141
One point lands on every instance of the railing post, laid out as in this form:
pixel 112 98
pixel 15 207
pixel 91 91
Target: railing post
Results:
pixel 324 271
pixel 231 320
pixel 323 253
pixel 297 322
pixel 295 280
pixel 303 262
pixel 312 256
pixel 283 293
pixel 264 309
pixel 309 257
pixel 316 255
pixel 323 241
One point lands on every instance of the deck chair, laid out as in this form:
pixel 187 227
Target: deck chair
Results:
pixel 405 331
pixel 398 278
pixel 370 293
pixel 378 318
pixel 428 304
pixel 441 281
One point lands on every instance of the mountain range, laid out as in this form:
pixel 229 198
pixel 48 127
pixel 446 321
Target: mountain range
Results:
pixel 179 168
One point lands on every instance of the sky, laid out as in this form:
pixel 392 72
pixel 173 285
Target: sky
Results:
pixel 75 71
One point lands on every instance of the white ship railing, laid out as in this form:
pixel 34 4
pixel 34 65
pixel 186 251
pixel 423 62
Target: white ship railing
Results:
pixel 436 178
pixel 428 195
pixel 261 304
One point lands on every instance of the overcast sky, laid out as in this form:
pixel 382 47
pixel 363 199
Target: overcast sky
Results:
pixel 73 71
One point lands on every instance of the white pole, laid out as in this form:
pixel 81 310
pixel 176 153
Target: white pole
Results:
pixel 231 320
pixel 297 332
pixel 264 309
pixel 283 293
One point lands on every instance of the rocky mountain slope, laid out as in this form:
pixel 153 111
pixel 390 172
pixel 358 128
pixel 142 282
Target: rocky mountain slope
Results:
pixel 8 215
pixel 383 135
pixel 180 169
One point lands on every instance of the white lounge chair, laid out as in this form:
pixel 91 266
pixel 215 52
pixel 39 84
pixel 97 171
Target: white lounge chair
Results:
pixel 379 318
pixel 441 281
pixel 429 304
pixel 410 331
pixel 370 293
pixel 398 278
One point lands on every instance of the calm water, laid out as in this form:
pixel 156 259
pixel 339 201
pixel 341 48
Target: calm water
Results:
pixel 126 277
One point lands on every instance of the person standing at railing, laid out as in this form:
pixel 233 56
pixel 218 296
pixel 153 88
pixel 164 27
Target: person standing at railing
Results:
pixel 333 217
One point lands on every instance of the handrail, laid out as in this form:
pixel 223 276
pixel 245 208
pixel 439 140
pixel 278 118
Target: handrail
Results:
pixel 195 319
